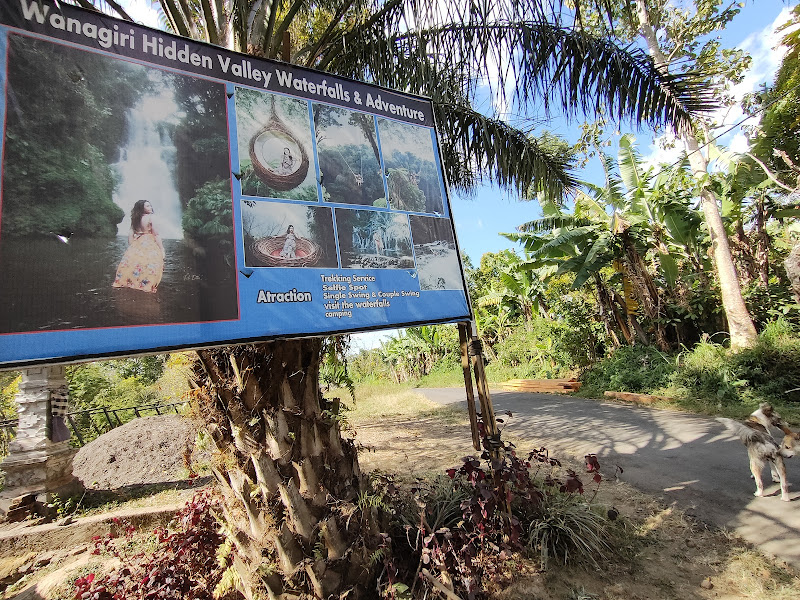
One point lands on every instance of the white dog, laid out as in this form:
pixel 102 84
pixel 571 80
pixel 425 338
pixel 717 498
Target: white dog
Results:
pixel 762 447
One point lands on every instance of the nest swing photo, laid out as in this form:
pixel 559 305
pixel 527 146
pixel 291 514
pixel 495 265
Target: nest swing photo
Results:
pixel 279 159
pixel 268 252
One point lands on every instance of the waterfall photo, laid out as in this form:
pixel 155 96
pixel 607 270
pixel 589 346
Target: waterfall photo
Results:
pixel 372 239
pixel 438 267
pixel 349 160
pixel 280 234
pixel 276 156
pixel 412 175
pixel 116 201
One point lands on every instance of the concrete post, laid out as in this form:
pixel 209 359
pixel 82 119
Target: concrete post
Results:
pixel 35 464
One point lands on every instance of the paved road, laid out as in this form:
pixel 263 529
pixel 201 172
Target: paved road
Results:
pixel 691 460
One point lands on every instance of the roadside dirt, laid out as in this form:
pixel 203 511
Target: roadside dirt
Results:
pixel 145 451
pixel 670 556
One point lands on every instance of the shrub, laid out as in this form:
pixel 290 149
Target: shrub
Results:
pixel 544 350
pixel 639 369
pixel 497 507
pixel 768 372
pixel 186 563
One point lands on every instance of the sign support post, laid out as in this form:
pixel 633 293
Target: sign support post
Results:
pixel 472 346
pixel 463 336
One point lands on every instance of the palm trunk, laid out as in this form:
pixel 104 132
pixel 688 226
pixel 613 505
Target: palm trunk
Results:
pixel 740 324
pixel 290 482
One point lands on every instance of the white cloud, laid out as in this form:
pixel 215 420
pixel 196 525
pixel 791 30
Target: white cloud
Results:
pixel 739 143
pixel 370 339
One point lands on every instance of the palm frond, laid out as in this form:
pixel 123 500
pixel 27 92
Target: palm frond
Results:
pixel 501 152
pixel 550 223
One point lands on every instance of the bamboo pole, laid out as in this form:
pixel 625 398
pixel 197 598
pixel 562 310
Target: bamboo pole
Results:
pixel 487 410
pixel 463 337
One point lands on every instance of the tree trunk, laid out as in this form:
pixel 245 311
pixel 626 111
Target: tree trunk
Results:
pixel 762 243
pixel 792 265
pixel 290 482
pixel 740 324
pixel 608 309
pixel 646 292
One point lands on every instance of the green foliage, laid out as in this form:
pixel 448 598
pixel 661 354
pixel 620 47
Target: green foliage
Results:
pixel 63 137
pixel 9 386
pixel 414 352
pixel 779 129
pixel 123 383
pixel 368 365
pixel 209 212
pixel 640 369
pixel 334 365
pixel 146 369
pixel 533 351
pixel 768 372
pixel 566 530
pixel 775 302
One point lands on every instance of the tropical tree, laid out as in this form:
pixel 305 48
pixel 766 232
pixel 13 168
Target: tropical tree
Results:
pixel 775 140
pixel 640 227
pixel 677 38
pixel 292 484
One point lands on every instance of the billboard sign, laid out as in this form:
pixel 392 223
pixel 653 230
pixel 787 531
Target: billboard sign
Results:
pixel 160 193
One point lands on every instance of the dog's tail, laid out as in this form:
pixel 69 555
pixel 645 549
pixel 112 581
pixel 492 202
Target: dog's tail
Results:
pixel 744 432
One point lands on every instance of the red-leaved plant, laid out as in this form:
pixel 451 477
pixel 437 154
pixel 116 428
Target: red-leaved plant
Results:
pixel 184 564
pixel 477 555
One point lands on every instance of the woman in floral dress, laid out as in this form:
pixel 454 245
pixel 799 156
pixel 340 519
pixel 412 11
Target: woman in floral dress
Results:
pixel 142 265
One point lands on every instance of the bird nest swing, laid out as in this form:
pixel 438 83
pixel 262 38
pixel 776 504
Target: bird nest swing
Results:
pixel 281 172
pixel 268 252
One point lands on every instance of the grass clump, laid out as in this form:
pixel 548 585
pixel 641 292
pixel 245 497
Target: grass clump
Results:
pixel 565 528
pixel 713 379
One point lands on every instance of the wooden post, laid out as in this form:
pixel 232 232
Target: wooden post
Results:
pixel 463 336
pixel 286 51
pixel 487 410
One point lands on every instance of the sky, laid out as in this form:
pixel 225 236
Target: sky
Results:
pixel 480 217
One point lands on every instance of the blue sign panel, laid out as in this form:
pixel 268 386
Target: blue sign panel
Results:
pixel 160 193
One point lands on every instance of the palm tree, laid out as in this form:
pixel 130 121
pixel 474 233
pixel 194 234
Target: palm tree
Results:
pixel 292 484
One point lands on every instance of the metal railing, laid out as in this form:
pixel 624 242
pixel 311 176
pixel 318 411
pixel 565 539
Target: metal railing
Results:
pixel 83 420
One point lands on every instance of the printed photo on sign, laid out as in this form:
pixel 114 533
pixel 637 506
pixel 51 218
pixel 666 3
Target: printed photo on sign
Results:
pixel 349 161
pixel 435 250
pixel 412 175
pixel 116 205
pixel 278 234
pixel 275 146
pixel 371 239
